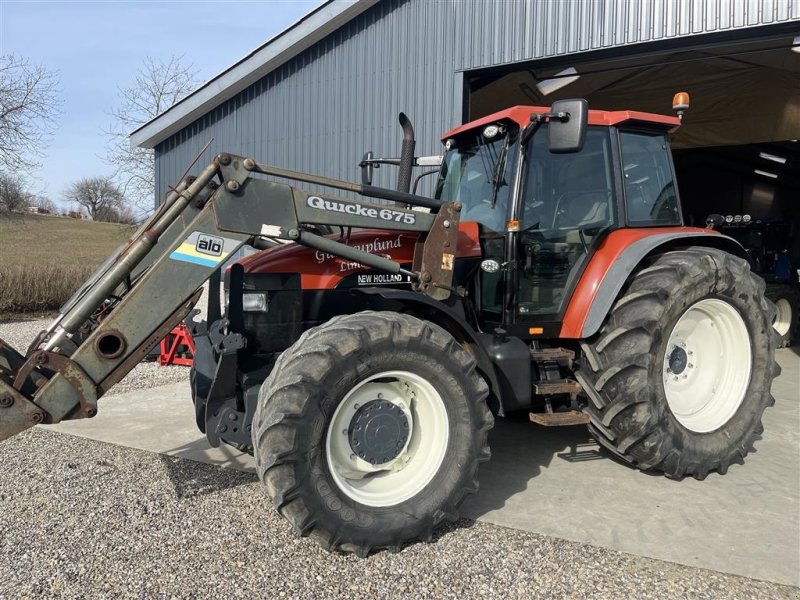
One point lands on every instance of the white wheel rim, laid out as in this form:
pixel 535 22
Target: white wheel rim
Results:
pixel 783 318
pixel 707 365
pixel 405 475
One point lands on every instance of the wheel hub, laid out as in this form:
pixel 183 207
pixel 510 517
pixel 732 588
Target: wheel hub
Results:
pixel 678 360
pixel 378 431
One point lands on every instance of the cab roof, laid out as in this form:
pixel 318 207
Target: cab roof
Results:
pixel 522 116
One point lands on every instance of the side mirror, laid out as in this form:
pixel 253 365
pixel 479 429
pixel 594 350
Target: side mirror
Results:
pixel 568 125
pixel 367 168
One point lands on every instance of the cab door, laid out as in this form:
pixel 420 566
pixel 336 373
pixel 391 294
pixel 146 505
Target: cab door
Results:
pixel 568 202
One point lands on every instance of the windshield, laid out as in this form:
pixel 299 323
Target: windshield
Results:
pixel 477 172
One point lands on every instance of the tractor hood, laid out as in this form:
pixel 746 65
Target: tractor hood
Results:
pixel 320 270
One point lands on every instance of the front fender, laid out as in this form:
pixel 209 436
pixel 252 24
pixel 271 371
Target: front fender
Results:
pixel 614 261
pixel 450 320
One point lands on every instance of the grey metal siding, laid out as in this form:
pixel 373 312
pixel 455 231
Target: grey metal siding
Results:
pixel 321 110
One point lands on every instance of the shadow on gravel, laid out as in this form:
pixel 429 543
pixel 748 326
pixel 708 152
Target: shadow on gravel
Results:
pixel 191 479
pixel 520 450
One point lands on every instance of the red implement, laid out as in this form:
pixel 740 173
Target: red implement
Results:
pixel 177 347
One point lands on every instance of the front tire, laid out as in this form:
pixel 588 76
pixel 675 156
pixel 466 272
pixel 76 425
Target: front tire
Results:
pixel 679 375
pixel 369 430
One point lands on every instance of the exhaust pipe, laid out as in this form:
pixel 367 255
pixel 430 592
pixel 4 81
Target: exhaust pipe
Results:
pixel 406 155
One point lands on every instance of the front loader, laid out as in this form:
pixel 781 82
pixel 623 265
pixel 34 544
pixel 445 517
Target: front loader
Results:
pixel 550 273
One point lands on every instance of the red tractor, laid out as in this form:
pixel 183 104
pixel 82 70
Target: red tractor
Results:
pixel 364 361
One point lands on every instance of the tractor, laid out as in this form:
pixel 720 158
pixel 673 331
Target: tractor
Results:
pixel 363 352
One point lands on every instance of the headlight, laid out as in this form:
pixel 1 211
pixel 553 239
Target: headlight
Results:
pixel 255 302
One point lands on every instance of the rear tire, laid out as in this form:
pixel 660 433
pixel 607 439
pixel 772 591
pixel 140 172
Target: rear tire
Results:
pixel 667 374
pixel 787 317
pixel 320 431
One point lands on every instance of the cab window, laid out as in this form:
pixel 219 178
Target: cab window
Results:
pixel 650 195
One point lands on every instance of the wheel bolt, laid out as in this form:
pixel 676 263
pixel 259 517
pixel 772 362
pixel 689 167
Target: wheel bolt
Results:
pixel 380 396
pixel 344 431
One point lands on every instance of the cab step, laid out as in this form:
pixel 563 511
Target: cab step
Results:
pixel 556 386
pixel 559 419
pixel 542 354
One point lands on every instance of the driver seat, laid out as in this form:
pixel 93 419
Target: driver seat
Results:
pixel 576 209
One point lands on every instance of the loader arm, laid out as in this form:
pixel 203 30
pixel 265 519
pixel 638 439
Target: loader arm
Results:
pixel 149 285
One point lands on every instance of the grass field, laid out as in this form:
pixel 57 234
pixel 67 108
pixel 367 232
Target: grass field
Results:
pixel 44 259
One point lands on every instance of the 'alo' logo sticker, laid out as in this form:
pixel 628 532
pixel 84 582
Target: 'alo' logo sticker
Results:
pixel 205 249
pixel 208 244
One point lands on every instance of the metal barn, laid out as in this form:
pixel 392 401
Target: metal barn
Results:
pixel 330 87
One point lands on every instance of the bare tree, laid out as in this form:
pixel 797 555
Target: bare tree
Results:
pixel 13 195
pixel 158 85
pixel 98 195
pixel 29 106
pixel 43 203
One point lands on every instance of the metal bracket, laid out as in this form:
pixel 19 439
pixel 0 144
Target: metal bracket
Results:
pixel 234 427
pixel 434 255
pixel 85 389
pixel 83 385
pixel 219 401
pixel 17 413
pixel 224 343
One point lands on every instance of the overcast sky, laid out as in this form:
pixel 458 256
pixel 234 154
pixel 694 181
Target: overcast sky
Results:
pixel 96 47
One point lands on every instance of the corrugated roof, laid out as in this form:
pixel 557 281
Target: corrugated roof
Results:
pixel 313 27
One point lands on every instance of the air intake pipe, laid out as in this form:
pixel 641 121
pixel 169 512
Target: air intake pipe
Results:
pixel 406 155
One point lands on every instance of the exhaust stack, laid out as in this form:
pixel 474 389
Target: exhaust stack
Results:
pixel 406 155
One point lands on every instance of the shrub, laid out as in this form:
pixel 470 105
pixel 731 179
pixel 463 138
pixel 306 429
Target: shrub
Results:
pixel 36 287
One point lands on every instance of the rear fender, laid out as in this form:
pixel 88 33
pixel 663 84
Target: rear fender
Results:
pixel 449 319
pixel 615 260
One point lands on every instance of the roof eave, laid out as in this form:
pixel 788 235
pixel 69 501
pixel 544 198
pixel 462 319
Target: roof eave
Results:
pixel 283 47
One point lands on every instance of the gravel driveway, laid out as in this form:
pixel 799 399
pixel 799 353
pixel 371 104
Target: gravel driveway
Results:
pixel 80 518
pixel 86 519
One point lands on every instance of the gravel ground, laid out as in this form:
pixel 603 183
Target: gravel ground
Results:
pixel 85 519
pixel 145 375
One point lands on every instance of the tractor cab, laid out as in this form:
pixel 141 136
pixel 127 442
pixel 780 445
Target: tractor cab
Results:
pixel 544 206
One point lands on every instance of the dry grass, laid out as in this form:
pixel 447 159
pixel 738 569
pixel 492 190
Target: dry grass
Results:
pixel 44 259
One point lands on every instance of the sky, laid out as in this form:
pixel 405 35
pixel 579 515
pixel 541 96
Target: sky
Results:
pixel 96 47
